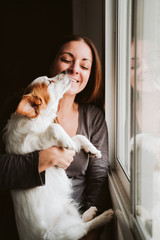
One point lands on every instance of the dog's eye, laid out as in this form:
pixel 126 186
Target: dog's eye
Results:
pixel 50 81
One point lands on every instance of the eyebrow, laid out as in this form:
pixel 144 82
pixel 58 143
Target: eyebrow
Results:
pixel 84 59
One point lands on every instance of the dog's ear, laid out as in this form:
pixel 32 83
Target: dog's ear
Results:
pixel 29 106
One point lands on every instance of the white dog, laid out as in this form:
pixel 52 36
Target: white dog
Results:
pixel 48 212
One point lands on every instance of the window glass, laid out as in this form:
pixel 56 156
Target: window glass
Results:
pixel 123 84
pixel 145 81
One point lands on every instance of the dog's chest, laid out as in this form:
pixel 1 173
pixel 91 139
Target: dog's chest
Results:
pixel 57 182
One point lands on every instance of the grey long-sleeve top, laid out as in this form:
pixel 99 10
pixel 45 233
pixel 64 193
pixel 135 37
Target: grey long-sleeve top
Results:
pixel 89 175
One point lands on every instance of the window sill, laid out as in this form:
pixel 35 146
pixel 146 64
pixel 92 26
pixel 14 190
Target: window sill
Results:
pixel 125 222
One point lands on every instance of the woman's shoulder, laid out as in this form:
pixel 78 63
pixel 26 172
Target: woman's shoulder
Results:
pixel 91 116
pixel 91 120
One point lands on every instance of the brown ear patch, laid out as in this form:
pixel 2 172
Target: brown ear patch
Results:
pixel 36 99
pixel 29 106
pixel 39 89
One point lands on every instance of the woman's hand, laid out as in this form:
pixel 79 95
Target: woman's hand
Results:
pixel 55 156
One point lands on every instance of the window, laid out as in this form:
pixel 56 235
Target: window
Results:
pixel 135 45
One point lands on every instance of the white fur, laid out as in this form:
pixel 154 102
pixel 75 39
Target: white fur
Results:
pixel 48 212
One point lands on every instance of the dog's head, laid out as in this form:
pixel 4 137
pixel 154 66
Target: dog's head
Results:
pixel 42 93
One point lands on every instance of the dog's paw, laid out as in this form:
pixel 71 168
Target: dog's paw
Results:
pixel 89 214
pixel 82 142
pixel 105 217
pixel 97 154
pixel 93 151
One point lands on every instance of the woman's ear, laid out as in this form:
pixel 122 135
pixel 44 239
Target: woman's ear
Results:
pixel 29 106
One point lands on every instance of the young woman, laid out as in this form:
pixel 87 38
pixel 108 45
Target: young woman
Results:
pixel 77 114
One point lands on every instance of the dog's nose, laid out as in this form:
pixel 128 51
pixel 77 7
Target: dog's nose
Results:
pixel 64 72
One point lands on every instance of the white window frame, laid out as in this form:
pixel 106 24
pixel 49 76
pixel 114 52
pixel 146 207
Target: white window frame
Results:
pixel 120 186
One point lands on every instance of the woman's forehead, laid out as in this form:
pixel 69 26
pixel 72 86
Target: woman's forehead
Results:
pixel 77 48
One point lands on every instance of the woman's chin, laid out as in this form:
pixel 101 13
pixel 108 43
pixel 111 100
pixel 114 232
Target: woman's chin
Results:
pixel 72 92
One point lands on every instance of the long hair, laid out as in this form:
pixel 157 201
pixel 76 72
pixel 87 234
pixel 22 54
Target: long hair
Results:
pixel 93 92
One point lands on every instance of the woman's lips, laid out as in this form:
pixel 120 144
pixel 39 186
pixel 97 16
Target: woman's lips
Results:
pixel 74 80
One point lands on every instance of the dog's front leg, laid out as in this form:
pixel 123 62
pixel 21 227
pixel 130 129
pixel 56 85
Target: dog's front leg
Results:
pixel 58 137
pixel 61 138
pixel 100 220
pixel 89 214
pixel 76 143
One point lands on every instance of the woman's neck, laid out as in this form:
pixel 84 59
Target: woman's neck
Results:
pixel 68 115
pixel 67 105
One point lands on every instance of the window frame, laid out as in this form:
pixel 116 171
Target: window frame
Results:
pixel 123 88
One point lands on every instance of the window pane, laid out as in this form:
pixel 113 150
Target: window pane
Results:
pixel 123 84
pixel 147 117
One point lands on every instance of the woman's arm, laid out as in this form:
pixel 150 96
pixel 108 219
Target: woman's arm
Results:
pixel 27 171
pixel 20 172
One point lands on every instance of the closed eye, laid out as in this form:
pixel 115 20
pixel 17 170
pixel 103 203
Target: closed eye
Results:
pixel 51 81
pixel 65 60
pixel 86 68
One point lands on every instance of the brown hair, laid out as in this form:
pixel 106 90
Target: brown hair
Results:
pixel 93 92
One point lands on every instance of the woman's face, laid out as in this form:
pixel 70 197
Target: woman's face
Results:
pixel 75 57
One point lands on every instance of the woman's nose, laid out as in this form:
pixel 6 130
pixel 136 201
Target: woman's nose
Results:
pixel 73 69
